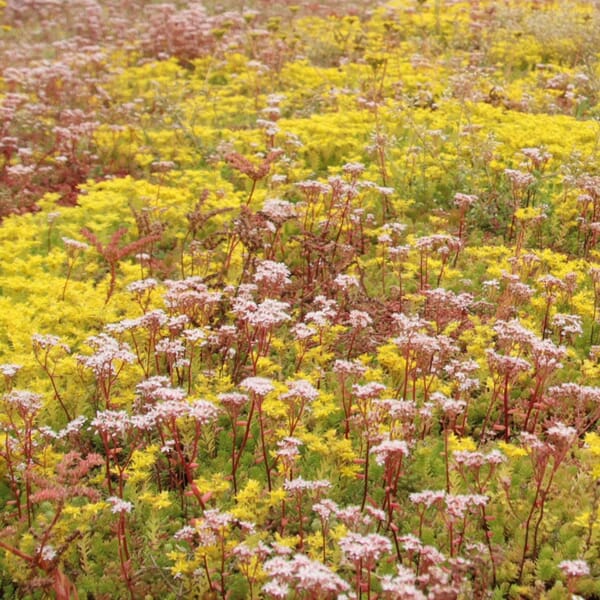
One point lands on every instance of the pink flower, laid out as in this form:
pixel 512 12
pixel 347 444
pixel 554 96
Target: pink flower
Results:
pixel 546 356
pixel 24 401
pixel 352 516
pixel 397 409
pixel 300 388
pixel 158 389
pixel 325 508
pixel 349 367
pixel 411 543
pixel 119 506
pixel 185 534
pixel 190 295
pixel 521 292
pixel 399 252
pixel 10 369
pixel 359 319
pixel 519 179
pixel 168 410
pixel 401 586
pixel 574 568
pixel 464 200
pixel 245 553
pixel 355 169
pixel 569 325
pixel 176 324
pixel 302 331
pixel 385 190
pixel 122 326
pixel 345 282
pixel 459 372
pixel 108 351
pixel 278 211
pixel 268 314
pixel 203 411
pixel 319 317
pixel 276 589
pixel 260 386
pixel 272 274
pixel 478 459
pixel 536 155
pixel 197 335
pixel 430 555
pixel 143 422
pixel 307 577
pixel 312 189
pixel 574 392
pixel 243 307
pixel 446 303
pixel 233 401
pixel 287 448
pixel 551 283
pixel 506 365
pixel 173 349
pixel 559 432
pixel 216 520
pixel 368 391
pixel 299 485
pixel 154 320
pixel 142 285
pixel 366 548
pixel 72 427
pixel 390 450
pixel 427 497
pixel 45 342
pixel 459 504
pixel 449 406
pixel 112 422
pixel 74 245
pixel 373 513
pixel 532 441
pixel 438 241
pixel 48 553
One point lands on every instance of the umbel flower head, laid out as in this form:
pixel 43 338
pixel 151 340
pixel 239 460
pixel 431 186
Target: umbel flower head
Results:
pixel 108 350
pixel 260 386
pixel 300 574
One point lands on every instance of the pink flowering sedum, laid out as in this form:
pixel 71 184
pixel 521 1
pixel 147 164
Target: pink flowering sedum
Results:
pixel 260 386
pixel 304 575
pixel 365 549
pixel 574 568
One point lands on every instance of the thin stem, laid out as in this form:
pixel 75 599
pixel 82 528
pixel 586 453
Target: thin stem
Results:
pixel 366 476
pixel 264 445
pixel 69 270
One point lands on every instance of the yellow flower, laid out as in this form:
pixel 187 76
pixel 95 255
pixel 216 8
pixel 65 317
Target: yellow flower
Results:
pixel 461 444
pixel 156 501
pixel 511 450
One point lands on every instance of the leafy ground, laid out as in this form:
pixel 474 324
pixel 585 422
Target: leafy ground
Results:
pixel 300 300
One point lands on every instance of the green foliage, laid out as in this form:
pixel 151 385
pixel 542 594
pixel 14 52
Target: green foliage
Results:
pixel 341 283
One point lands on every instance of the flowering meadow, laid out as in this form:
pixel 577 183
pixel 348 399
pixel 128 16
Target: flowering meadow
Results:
pixel 299 299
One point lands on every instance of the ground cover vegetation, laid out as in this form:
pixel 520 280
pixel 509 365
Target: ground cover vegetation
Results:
pixel 299 300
